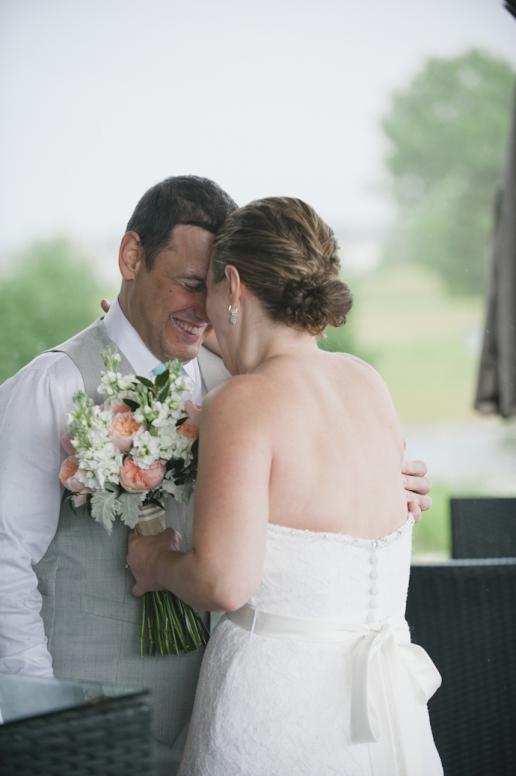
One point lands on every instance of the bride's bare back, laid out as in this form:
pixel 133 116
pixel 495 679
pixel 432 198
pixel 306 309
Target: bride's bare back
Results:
pixel 333 425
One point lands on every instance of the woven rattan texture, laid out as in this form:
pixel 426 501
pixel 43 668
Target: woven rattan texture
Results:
pixel 463 613
pixel 483 528
pixel 111 737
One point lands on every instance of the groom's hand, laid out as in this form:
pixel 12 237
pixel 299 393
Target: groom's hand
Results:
pixel 417 487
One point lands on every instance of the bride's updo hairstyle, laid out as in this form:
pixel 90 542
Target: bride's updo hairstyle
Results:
pixel 287 256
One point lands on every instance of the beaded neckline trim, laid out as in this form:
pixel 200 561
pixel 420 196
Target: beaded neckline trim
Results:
pixel 343 537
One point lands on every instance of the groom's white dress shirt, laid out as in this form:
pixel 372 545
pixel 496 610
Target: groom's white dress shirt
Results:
pixel 33 413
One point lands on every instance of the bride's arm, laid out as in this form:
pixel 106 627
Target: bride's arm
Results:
pixel 231 507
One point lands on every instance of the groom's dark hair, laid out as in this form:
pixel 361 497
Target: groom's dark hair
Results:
pixel 183 199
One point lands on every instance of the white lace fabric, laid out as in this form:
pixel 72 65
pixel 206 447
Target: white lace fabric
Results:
pixel 270 704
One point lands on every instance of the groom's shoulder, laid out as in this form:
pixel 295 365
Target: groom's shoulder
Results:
pixel 52 364
pixel 46 369
pixel 90 334
pixel 212 369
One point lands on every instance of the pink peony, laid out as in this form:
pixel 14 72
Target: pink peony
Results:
pixel 122 430
pixel 68 475
pixel 136 480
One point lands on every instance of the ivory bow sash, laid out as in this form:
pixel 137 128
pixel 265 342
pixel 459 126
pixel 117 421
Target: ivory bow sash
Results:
pixel 382 659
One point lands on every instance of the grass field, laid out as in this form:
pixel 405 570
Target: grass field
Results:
pixel 424 343
pixel 432 533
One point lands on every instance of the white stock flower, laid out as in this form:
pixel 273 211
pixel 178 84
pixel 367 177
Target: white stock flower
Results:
pixel 146 449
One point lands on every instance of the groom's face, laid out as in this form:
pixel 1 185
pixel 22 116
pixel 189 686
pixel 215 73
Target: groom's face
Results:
pixel 168 301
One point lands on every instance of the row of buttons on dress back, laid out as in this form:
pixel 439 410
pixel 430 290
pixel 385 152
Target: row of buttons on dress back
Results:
pixel 374 590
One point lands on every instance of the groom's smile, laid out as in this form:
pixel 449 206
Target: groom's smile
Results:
pixel 166 303
pixel 193 330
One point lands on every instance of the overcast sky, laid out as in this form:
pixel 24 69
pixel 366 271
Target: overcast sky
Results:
pixel 102 98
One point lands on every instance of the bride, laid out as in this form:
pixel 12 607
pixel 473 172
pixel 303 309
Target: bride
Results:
pixel 311 670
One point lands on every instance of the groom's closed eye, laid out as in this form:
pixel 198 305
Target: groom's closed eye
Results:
pixel 193 284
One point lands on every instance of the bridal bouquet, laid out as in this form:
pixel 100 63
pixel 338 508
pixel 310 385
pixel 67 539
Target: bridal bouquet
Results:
pixel 127 456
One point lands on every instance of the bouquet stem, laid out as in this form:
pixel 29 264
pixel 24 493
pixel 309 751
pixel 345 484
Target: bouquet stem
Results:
pixel 168 626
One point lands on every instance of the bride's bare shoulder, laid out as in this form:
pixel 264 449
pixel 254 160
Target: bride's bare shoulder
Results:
pixel 353 364
pixel 241 395
pixel 363 377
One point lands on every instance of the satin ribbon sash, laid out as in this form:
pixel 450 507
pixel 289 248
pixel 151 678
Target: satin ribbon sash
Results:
pixel 377 650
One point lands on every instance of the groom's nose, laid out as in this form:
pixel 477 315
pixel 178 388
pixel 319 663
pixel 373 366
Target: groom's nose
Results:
pixel 200 305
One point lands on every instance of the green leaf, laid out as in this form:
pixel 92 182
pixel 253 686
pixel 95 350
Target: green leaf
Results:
pixel 147 383
pixel 163 394
pixel 104 508
pixel 128 507
pixel 175 464
pixel 133 405
pixel 162 380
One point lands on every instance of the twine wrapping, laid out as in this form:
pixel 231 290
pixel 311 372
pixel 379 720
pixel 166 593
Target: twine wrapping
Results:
pixel 151 520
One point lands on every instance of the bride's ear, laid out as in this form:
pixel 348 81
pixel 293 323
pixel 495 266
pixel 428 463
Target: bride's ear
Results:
pixel 234 284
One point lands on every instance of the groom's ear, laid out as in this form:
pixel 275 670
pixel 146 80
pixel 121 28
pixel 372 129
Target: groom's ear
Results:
pixel 130 256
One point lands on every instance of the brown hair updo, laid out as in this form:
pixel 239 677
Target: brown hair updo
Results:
pixel 287 256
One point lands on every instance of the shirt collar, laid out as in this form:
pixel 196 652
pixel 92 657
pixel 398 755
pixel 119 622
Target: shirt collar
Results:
pixel 127 339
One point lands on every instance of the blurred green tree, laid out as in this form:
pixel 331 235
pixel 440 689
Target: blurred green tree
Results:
pixel 447 133
pixel 50 294
pixel 338 340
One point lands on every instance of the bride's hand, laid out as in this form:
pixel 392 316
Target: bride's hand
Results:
pixel 143 554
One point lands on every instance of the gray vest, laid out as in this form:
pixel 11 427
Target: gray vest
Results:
pixel 91 618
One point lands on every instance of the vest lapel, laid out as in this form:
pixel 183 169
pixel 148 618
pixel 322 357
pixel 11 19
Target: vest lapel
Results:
pixel 213 372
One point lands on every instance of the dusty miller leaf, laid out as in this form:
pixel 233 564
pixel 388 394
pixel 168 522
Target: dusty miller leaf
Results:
pixel 104 508
pixel 128 507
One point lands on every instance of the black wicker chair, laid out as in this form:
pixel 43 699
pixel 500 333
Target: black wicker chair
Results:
pixel 463 613
pixel 63 728
pixel 483 528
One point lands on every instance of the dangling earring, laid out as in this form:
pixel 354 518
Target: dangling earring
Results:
pixel 233 315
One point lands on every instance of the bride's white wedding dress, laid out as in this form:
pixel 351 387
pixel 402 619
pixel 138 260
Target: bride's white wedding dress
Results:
pixel 316 674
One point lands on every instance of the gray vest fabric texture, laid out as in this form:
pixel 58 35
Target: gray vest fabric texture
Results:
pixel 91 617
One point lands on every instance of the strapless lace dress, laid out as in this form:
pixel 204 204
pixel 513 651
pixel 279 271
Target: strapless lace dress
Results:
pixel 316 675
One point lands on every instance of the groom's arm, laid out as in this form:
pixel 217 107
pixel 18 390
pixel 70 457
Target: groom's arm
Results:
pixel 33 407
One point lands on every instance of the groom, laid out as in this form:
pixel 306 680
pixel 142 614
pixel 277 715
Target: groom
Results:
pixel 66 607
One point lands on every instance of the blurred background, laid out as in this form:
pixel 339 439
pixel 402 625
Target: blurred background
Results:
pixel 391 119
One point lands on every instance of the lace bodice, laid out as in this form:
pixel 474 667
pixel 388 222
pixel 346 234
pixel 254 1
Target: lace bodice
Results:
pixel 335 576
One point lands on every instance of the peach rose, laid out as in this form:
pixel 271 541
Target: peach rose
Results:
pixel 122 430
pixel 137 480
pixel 68 475
pixel 79 500
pixel 190 428
pixel 117 409
pixel 66 443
